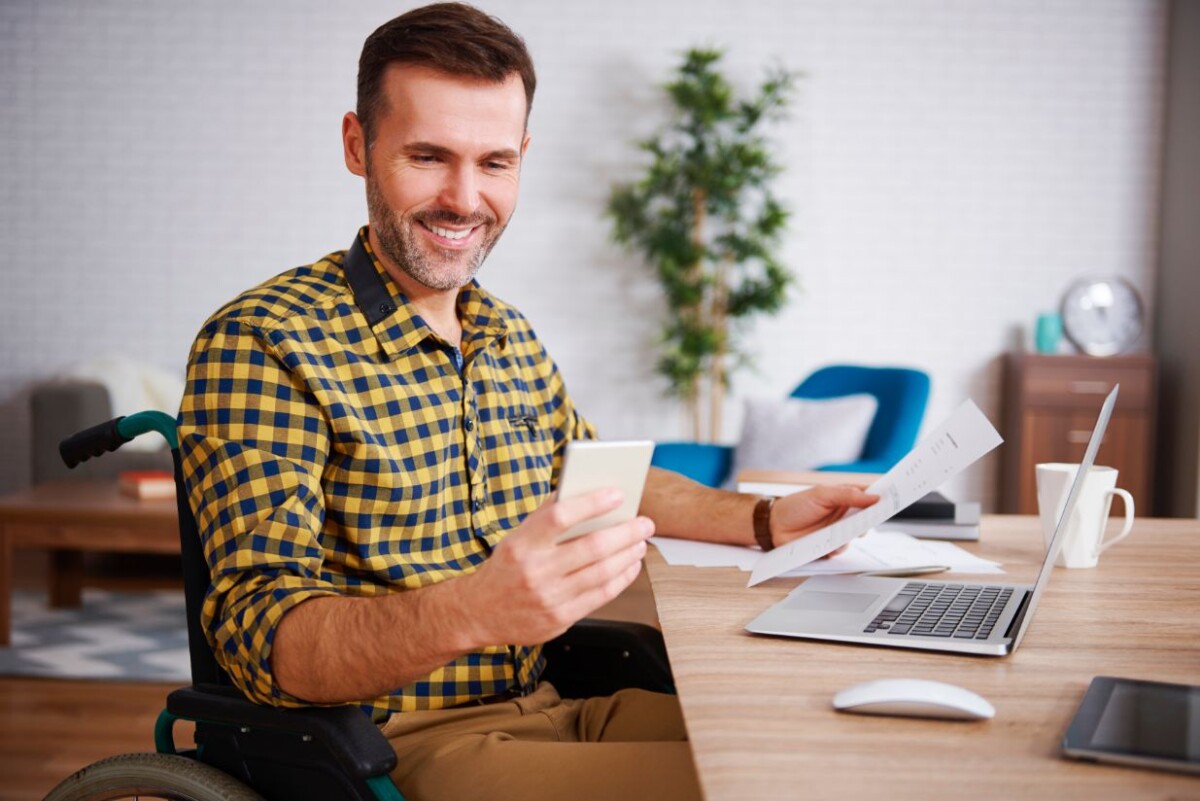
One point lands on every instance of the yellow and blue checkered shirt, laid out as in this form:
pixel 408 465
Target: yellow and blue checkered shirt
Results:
pixel 333 443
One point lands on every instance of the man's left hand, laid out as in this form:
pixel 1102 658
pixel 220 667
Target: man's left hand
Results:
pixel 801 513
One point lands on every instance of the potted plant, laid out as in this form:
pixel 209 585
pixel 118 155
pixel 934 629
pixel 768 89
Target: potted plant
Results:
pixel 704 218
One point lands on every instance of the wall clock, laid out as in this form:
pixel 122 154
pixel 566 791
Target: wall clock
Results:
pixel 1102 316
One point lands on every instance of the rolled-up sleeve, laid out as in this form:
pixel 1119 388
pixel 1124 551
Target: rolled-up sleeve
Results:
pixel 254 443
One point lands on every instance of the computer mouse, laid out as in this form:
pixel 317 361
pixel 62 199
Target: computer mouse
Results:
pixel 919 698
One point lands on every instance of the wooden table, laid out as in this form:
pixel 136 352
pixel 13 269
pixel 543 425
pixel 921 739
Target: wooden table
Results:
pixel 759 714
pixel 69 518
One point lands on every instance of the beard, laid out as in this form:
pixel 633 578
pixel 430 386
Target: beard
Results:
pixel 440 269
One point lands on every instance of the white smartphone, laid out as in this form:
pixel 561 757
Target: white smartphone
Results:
pixel 589 465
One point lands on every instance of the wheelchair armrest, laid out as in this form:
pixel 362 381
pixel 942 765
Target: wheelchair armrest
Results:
pixel 346 732
pixel 599 657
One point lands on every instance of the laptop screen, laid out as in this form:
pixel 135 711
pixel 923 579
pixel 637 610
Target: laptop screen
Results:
pixel 1089 458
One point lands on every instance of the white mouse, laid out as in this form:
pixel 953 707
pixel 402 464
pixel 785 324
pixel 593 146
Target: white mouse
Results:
pixel 913 698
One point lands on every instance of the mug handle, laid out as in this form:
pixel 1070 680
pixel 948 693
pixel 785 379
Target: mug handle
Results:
pixel 1128 499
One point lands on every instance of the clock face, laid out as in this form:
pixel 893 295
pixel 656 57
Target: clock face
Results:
pixel 1102 316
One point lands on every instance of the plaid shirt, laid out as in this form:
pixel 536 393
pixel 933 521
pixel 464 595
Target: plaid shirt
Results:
pixel 333 443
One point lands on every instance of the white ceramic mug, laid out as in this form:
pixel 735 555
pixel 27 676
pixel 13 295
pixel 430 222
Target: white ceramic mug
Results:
pixel 1083 537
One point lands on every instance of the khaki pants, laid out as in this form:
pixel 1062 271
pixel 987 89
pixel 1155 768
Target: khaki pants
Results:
pixel 625 746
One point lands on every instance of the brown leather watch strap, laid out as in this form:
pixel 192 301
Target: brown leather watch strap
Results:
pixel 762 523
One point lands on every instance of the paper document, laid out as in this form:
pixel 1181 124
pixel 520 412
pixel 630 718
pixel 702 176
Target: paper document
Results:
pixel 705 554
pixel 891 550
pixel 959 442
pixel 876 550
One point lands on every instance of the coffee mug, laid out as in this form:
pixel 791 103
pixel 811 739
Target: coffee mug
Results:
pixel 1083 535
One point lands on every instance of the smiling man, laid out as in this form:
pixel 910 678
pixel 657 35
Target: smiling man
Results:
pixel 442 176
pixel 371 443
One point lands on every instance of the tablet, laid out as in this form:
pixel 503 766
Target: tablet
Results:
pixel 589 465
pixel 1131 722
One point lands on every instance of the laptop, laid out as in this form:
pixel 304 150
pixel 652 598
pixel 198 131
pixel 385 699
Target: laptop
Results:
pixel 953 616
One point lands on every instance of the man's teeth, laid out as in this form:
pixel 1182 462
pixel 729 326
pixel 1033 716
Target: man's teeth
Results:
pixel 446 232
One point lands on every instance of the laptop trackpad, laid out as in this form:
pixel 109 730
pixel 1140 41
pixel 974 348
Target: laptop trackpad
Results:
pixel 817 601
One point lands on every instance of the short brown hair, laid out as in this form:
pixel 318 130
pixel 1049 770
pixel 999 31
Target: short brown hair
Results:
pixel 453 38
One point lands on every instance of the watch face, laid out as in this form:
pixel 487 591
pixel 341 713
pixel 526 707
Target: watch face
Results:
pixel 1102 316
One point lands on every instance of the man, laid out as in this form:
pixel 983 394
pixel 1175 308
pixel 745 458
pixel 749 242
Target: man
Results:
pixel 371 443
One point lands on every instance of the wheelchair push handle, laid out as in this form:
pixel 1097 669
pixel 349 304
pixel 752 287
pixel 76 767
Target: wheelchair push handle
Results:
pixel 108 436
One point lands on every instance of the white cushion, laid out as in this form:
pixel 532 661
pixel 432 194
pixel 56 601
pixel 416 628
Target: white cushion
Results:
pixel 132 386
pixel 802 433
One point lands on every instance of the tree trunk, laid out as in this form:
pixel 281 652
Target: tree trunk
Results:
pixel 718 319
pixel 693 409
pixel 698 312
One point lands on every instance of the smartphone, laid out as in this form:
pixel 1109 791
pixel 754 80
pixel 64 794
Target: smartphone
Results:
pixel 589 465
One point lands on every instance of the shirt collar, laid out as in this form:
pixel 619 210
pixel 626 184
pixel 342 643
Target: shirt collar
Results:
pixel 393 320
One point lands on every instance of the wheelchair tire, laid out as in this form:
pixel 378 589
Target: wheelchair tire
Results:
pixel 162 776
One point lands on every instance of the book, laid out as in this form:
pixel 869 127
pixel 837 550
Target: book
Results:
pixel 935 506
pixel 932 529
pixel 146 483
pixel 934 516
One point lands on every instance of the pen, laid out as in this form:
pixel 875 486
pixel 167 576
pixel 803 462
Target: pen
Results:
pixel 920 570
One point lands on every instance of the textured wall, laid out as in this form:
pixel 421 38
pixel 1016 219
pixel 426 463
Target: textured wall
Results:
pixel 951 167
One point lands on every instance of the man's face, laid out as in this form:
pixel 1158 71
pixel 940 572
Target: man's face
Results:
pixel 443 172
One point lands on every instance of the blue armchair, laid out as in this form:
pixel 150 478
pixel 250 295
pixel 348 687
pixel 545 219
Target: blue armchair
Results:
pixel 902 394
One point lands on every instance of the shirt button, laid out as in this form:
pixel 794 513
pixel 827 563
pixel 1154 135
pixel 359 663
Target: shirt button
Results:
pixel 476 505
pixel 469 423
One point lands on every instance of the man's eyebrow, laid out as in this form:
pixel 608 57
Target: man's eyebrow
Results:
pixel 502 154
pixel 427 147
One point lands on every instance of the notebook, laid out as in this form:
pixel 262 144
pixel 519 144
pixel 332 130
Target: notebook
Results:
pixel 987 619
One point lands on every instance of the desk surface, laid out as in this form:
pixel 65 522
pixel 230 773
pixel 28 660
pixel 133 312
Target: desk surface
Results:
pixel 759 714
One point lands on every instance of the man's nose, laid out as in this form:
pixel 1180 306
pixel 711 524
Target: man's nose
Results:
pixel 460 192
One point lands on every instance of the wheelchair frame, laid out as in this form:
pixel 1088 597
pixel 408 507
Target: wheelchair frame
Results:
pixel 318 753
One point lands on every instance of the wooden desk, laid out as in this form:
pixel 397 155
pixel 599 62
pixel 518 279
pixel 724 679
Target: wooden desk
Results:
pixel 69 518
pixel 759 713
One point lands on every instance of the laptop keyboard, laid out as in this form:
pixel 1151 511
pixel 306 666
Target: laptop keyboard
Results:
pixel 960 611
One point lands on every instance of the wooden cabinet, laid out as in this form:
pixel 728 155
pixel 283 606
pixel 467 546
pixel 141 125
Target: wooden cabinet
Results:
pixel 1050 406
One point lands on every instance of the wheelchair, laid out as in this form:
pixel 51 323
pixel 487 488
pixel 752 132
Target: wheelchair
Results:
pixel 245 751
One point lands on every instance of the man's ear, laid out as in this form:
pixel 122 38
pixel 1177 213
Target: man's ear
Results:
pixel 354 144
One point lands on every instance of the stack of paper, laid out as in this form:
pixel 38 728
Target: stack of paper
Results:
pixel 877 550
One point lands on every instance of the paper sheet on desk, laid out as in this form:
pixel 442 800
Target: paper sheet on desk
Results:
pixel 876 550
pixel 959 442
pixel 705 554
pixel 889 550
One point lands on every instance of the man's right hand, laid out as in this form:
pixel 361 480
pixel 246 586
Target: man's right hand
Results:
pixel 533 588
pixel 328 650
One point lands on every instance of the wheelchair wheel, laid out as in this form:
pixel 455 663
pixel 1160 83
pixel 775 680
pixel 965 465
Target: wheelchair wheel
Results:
pixel 162 776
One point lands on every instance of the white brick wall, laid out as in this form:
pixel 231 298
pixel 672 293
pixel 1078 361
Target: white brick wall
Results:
pixel 951 168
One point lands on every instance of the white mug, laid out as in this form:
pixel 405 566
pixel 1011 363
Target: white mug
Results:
pixel 1083 535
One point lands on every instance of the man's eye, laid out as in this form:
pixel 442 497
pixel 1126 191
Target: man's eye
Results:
pixel 425 158
pixel 497 166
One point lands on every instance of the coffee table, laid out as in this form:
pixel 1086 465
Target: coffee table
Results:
pixel 69 518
